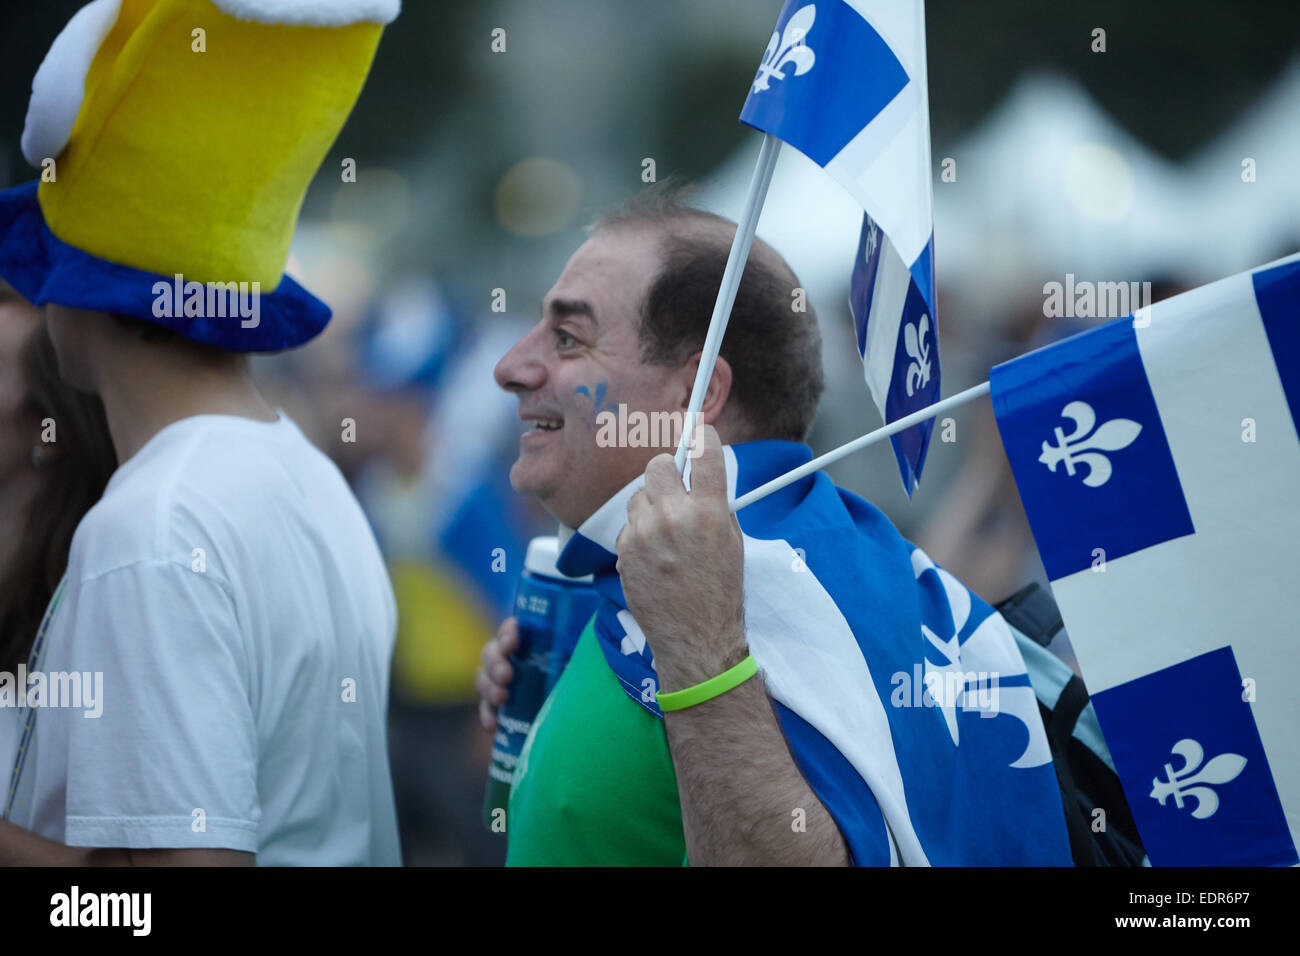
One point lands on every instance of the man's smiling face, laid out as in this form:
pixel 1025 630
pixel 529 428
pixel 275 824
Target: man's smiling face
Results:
pixel 584 357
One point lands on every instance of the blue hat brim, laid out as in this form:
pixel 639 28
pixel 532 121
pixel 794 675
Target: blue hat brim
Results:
pixel 43 268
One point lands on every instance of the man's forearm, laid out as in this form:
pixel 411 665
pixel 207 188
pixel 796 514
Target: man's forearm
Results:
pixel 681 563
pixel 740 789
pixel 19 847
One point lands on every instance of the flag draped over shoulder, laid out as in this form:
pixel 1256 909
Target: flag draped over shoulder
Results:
pixel 1158 458
pixel 844 82
pixel 902 695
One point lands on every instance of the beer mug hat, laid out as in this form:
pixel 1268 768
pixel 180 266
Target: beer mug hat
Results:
pixel 176 140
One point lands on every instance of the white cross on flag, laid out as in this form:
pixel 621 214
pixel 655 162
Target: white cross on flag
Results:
pixel 1158 458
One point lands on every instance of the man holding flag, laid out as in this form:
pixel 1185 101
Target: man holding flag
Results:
pixel 893 722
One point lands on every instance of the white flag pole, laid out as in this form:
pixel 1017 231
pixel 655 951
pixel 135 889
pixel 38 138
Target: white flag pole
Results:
pixel 907 421
pixel 730 283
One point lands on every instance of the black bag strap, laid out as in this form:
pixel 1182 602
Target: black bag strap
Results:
pixel 1074 697
pixel 1032 611
pixel 1059 723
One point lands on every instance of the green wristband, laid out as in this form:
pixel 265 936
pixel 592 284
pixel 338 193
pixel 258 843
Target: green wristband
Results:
pixel 713 687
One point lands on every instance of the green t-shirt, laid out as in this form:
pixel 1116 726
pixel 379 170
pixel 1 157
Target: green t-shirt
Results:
pixel 595 784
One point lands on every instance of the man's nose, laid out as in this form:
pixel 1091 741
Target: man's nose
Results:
pixel 521 369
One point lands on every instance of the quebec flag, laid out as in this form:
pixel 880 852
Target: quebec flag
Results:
pixel 903 697
pixel 844 82
pixel 1158 458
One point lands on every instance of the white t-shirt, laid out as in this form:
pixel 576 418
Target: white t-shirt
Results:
pixel 230 590
pixel 9 733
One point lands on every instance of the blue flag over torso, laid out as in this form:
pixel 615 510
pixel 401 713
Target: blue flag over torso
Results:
pixel 902 695
pixel 844 82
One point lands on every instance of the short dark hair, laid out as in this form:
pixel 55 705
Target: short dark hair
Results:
pixel 773 349
pixel 156 333
pixel 149 331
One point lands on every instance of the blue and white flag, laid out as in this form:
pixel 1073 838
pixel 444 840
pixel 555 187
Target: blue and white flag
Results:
pixel 1158 458
pixel 844 82
pixel 903 697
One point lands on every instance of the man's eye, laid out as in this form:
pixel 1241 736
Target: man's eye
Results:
pixel 564 339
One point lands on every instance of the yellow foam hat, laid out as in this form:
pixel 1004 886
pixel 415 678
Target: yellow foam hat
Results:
pixel 199 127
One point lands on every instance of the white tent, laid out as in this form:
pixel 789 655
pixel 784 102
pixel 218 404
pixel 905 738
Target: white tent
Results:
pixel 1252 222
pixel 1050 185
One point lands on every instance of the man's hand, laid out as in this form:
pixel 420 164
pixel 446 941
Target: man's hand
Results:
pixel 681 561
pixel 494 677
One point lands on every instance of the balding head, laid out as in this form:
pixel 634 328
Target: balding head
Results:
pixel 619 343
pixel 772 342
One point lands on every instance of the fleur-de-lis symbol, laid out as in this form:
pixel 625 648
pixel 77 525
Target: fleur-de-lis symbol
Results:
pixel 1081 448
pixel 872 238
pixel 787 49
pixel 598 403
pixel 958 684
pixel 1181 783
pixel 936 682
pixel 918 370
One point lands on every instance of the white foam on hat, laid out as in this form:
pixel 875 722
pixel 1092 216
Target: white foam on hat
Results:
pixel 317 13
pixel 60 82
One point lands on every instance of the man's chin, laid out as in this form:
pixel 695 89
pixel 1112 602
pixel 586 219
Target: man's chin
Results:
pixel 551 488
pixel 528 477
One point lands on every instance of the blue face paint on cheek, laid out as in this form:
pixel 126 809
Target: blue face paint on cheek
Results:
pixel 597 395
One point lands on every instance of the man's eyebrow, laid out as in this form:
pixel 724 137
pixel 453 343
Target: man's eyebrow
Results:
pixel 564 308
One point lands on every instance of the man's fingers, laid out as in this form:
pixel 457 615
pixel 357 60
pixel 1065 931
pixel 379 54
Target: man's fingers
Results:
pixel 490 653
pixel 638 506
pixel 508 636
pixel 493 679
pixel 483 684
pixel 487 716
pixel 494 676
pixel 662 480
pixel 708 465
pixel 501 672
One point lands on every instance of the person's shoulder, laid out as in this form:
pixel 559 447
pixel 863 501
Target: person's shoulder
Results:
pixel 202 479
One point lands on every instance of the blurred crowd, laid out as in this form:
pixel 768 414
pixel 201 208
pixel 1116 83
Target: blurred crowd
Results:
pixel 401 395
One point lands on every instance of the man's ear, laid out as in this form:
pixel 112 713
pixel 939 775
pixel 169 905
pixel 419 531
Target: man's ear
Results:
pixel 718 392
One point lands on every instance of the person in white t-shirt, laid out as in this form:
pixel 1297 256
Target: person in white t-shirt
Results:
pixel 209 684
pixel 229 590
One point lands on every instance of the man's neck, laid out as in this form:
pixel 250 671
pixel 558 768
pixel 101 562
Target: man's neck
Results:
pixel 144 391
